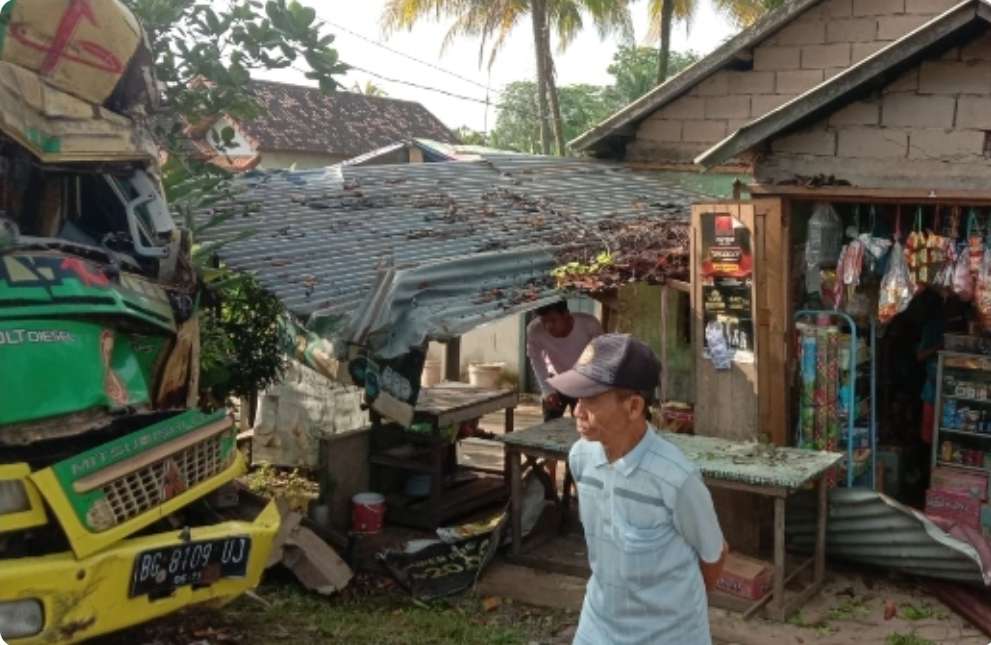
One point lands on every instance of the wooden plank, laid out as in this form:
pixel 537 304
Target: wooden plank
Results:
pixel 723 484
pixel 742 417
pixel 820 548
pixel 665 323
pixel 477 410
pixel 775 322
pixel 777 608
pixel 515 498
pixel 856 194
pixel 783 352
pixel 762 317
pixel 452 360
pixel 732 412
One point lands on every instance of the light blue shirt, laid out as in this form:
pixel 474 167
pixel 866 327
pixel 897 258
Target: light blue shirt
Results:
pixel 648 520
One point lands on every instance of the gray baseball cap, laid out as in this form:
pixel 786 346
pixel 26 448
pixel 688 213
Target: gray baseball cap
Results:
pixel 610 362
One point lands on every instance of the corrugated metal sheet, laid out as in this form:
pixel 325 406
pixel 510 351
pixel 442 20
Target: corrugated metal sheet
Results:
pixel 872 529
pixel 443 300
pixel 462 237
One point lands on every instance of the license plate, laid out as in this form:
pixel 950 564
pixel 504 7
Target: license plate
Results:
pixel 194 563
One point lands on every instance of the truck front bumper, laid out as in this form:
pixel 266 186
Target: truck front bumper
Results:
pixel 83 598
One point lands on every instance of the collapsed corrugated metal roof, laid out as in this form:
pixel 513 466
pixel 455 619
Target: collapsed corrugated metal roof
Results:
pixel 379 259
pixel 872 529
pixel 322 236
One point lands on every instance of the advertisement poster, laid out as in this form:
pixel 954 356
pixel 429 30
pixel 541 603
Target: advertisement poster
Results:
pixel 726 272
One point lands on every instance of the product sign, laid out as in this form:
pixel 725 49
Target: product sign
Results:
pixel 726 273
pixel 725 246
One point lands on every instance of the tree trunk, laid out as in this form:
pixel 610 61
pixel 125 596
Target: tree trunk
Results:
pixel 552 97
pixel 538 15
pixel 664 54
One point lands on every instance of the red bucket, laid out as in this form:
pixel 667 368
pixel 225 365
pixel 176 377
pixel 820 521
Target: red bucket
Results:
pixel 367 512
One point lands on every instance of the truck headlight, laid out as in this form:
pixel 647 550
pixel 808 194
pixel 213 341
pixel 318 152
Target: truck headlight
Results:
pixel 13 498
pixel 20 618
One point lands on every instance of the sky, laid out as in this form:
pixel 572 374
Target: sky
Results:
pixel 357 25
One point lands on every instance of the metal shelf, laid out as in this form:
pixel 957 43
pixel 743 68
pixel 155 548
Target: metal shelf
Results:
pixel 978 469
pixel 968 400
pixel 982 366
pixel 852 373
pixel 966 433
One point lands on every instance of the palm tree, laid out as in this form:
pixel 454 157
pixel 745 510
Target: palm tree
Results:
pixel 494 20
pixel 662 13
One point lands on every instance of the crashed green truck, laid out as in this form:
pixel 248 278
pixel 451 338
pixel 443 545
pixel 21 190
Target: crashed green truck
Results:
pixel 118 500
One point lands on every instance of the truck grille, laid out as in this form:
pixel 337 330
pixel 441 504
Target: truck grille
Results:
pixel 140 491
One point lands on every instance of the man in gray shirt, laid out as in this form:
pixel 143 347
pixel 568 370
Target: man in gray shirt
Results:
pixel 654 542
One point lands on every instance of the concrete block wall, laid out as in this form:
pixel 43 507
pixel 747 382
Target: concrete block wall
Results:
pixel 929 127
pixel 816 46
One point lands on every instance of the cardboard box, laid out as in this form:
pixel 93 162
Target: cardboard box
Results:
pixel 961 508
pixel 745 577
pixel 964 482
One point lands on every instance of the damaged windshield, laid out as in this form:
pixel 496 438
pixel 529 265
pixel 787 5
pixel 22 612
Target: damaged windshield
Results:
pixel 120 212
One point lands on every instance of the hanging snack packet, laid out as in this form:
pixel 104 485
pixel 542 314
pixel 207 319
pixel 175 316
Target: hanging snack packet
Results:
pixel 975 243
pixel 915 249
pixel 963 279
pixel 944 275
pixel 897 288
pixel 851 263
pixel 982 292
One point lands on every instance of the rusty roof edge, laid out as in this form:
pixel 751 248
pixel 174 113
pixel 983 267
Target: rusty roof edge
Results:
pixel 677 85
pixel 443 299
pixel 843 84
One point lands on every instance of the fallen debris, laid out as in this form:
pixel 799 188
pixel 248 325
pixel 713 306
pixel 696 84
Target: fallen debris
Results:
pixel 314 563
pixel 443 569
pixel 491 603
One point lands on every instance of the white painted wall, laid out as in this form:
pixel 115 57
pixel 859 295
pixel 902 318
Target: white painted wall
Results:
pixel 275 159
pixel 503 341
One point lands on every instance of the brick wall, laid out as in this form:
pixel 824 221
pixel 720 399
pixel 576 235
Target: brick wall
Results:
pixel 295 414
pixel 928 125
pixel 814 47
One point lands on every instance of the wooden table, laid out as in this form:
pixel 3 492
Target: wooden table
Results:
pixel 762 470
pixel 444 405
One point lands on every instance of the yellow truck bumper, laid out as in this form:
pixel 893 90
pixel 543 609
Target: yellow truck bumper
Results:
pixel 83 598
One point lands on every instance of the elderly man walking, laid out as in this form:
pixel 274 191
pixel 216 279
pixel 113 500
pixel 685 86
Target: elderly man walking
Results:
pixel 654 542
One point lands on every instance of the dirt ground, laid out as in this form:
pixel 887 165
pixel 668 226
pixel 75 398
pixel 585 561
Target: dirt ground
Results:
pixel 851 609
pixel 374 611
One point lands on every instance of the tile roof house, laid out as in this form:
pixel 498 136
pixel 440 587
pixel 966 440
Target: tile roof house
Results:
pixel 303 127
pixel 789 51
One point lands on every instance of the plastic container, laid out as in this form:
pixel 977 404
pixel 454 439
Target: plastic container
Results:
pixel 485 375
pixel 367 513
pixel 431 374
